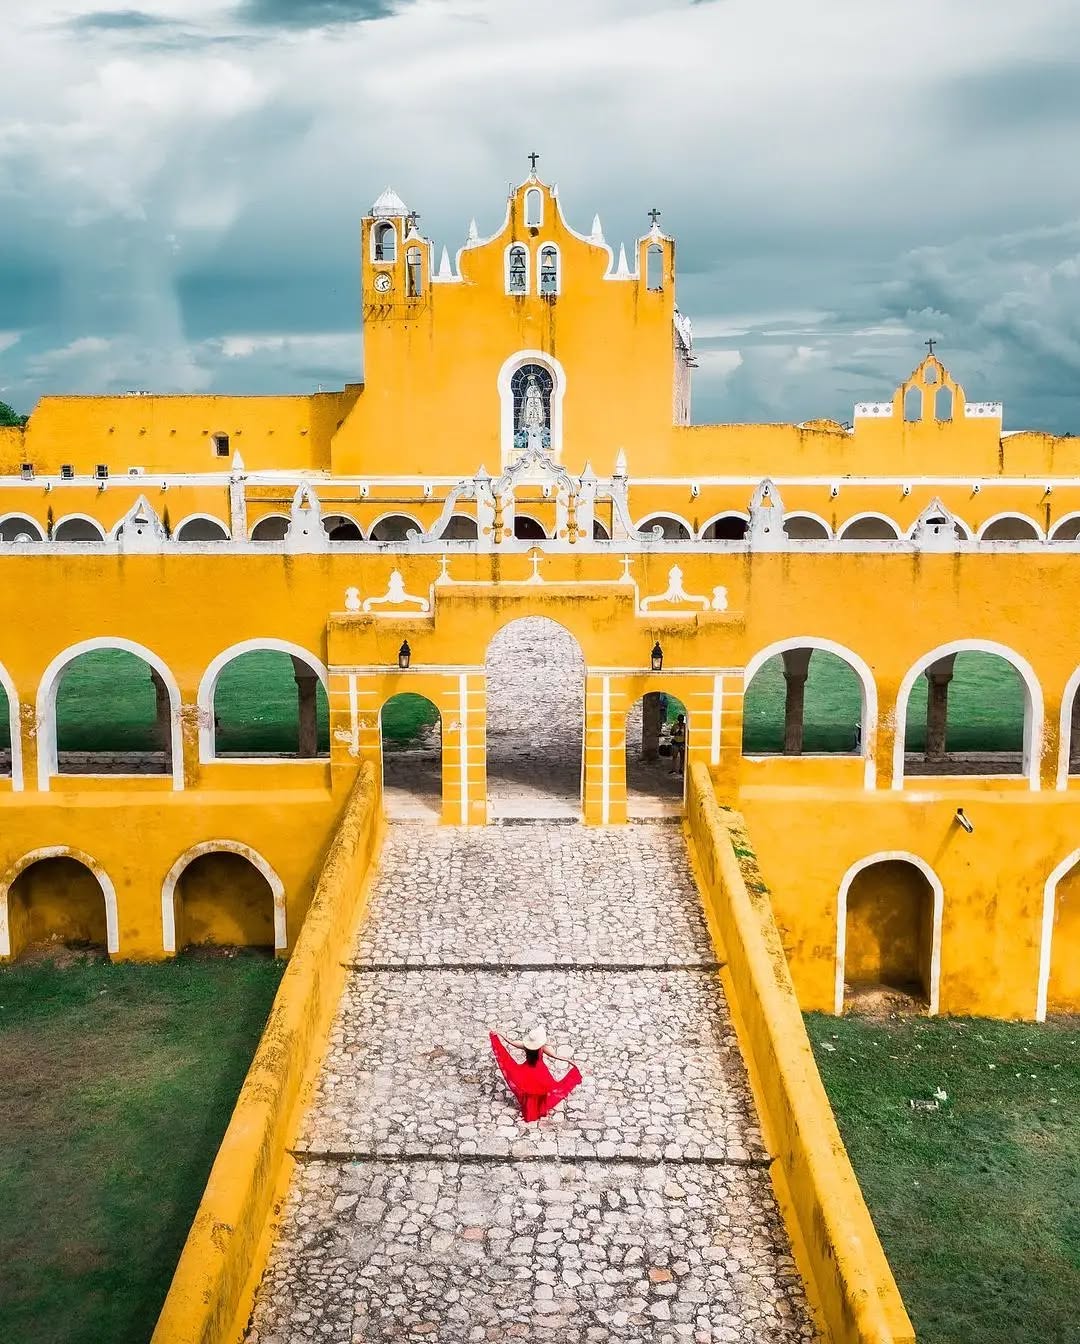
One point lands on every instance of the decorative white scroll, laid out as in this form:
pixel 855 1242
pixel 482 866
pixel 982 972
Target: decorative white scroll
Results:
pixel 396 596
pixel 676 595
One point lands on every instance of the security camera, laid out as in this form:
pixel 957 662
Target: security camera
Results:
pixel 695 490
pixel 905 490
pixel 976 488
pixel 962 820
pixel 834 490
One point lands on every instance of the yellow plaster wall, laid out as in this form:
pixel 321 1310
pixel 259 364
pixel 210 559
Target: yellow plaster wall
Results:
pixel 837 1249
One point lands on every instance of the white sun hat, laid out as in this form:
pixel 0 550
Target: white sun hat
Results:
pixel 535 1038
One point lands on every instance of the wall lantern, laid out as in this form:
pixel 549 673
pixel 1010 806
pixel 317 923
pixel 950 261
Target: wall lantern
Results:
pixel 404 654
pixel 657 657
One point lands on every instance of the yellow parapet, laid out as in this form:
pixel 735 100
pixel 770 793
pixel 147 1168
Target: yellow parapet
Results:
pixel 839 1254
pixel 212 1289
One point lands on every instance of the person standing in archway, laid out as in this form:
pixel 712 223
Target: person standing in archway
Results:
pixel 535 1089
pixel 678 745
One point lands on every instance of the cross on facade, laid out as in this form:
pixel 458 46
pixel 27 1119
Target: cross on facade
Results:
pixel 931 343
pixel 532 160
pixel 654 214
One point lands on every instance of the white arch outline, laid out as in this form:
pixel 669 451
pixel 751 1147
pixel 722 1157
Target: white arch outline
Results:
pixel 341 518
pixel 869 513
pixel 201 518
pixel 379 226
pixel 264 519
pixel 517 293
pixel 469 518
pixel 724 513
pixel 509 367
pixel 1034 712
pixel 14 729
pixel 1068 518
pixel 393 513
pixel 889 856
pixel 23 518
pixel 108 891
pixel 525 208
pixel 532 519
pixel 814 517
pixel 551 294
pixel 1040 535
pixel 78 518
pixel 862 670
pixel 208 685
pixel 173 876
pixel 1046 937
pixel 45 713
pixel 1072 687
pixel 656 517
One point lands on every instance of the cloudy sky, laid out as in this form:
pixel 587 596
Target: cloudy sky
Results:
pixel 181 182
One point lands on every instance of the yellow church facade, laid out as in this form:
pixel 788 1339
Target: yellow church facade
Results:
pixel 383 536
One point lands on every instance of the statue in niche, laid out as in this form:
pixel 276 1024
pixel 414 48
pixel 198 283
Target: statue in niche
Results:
pixel 532 412
pixel 532 386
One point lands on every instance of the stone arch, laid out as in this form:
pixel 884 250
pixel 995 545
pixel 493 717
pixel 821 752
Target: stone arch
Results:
pixel 341 527
pixel 16 931
pixel 805 526
pixel 165 682
pixel 410 734
pixel 1010 527
pixel 208 686
pixel 201 527
pixel 78 527
pixel 14 725
pixel 731 525
pixel 651 778
pixel 1066 528
pixel 535 672
pixel 927 932
pixel 391 527
pixel 271 527
pixel 867 743
pixel 15 525
pixel 1033 702
pixel 504 379
pixel 672 526
pixel 869 526
pixel 172 893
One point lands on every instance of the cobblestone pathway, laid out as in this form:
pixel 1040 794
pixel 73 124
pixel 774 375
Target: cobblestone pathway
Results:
pixel 423 1209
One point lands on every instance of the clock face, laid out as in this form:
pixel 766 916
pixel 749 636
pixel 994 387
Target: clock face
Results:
pixel 383 281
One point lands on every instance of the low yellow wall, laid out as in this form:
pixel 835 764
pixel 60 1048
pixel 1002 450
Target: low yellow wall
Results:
pixel 213 1287
pixel 832 1234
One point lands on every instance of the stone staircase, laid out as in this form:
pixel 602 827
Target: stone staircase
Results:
pixel 423 1208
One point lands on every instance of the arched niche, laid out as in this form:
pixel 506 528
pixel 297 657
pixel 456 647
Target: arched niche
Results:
pixel 460 527
pixel 730 526
pixel 889 918
pixel 393 527
pixel 16 527
pixel 510 388
pixel 806 527
pixel 869 527
pixel 201 527
pixel 527 528
pixel 57 895
pixel 273 527
pixel 222 893
pixel 672 528
pixel 78 527
pixel 340 527
pixel 1059 945
pixel 1010 527
pixel 535 679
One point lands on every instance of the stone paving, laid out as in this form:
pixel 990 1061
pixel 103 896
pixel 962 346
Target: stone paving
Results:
pixel 423 1208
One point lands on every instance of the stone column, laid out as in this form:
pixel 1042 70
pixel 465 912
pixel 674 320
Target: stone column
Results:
pixel 162 735
pixel 938 675
pixel 306 682
pixel 796 670
pixel 651 723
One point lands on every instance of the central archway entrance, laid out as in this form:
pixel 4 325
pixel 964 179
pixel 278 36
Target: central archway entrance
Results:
pixel 535 720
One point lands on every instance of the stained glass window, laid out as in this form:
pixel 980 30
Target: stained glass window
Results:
pixel 528 382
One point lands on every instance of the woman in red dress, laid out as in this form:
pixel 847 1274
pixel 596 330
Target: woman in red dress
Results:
pixel 531 1082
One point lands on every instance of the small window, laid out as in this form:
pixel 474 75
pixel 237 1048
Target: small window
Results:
pixel 534 208
pixel 414 273
pixel 549 271
pixel 654 267
pixel 67 472
pixel 385 243
pixel 26 471
pixel 221 445
pixel 101 471
pixel 517 271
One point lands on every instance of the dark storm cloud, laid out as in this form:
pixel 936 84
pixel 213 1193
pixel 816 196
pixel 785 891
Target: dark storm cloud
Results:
pixel 315 13
pixel 118 20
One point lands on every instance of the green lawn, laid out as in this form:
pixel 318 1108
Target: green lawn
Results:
pixel 986 707
pixel 405 716
pixel 116 1084
pixel 978 1202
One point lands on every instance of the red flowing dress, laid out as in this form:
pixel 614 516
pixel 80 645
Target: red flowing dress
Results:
pixel 535 1089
